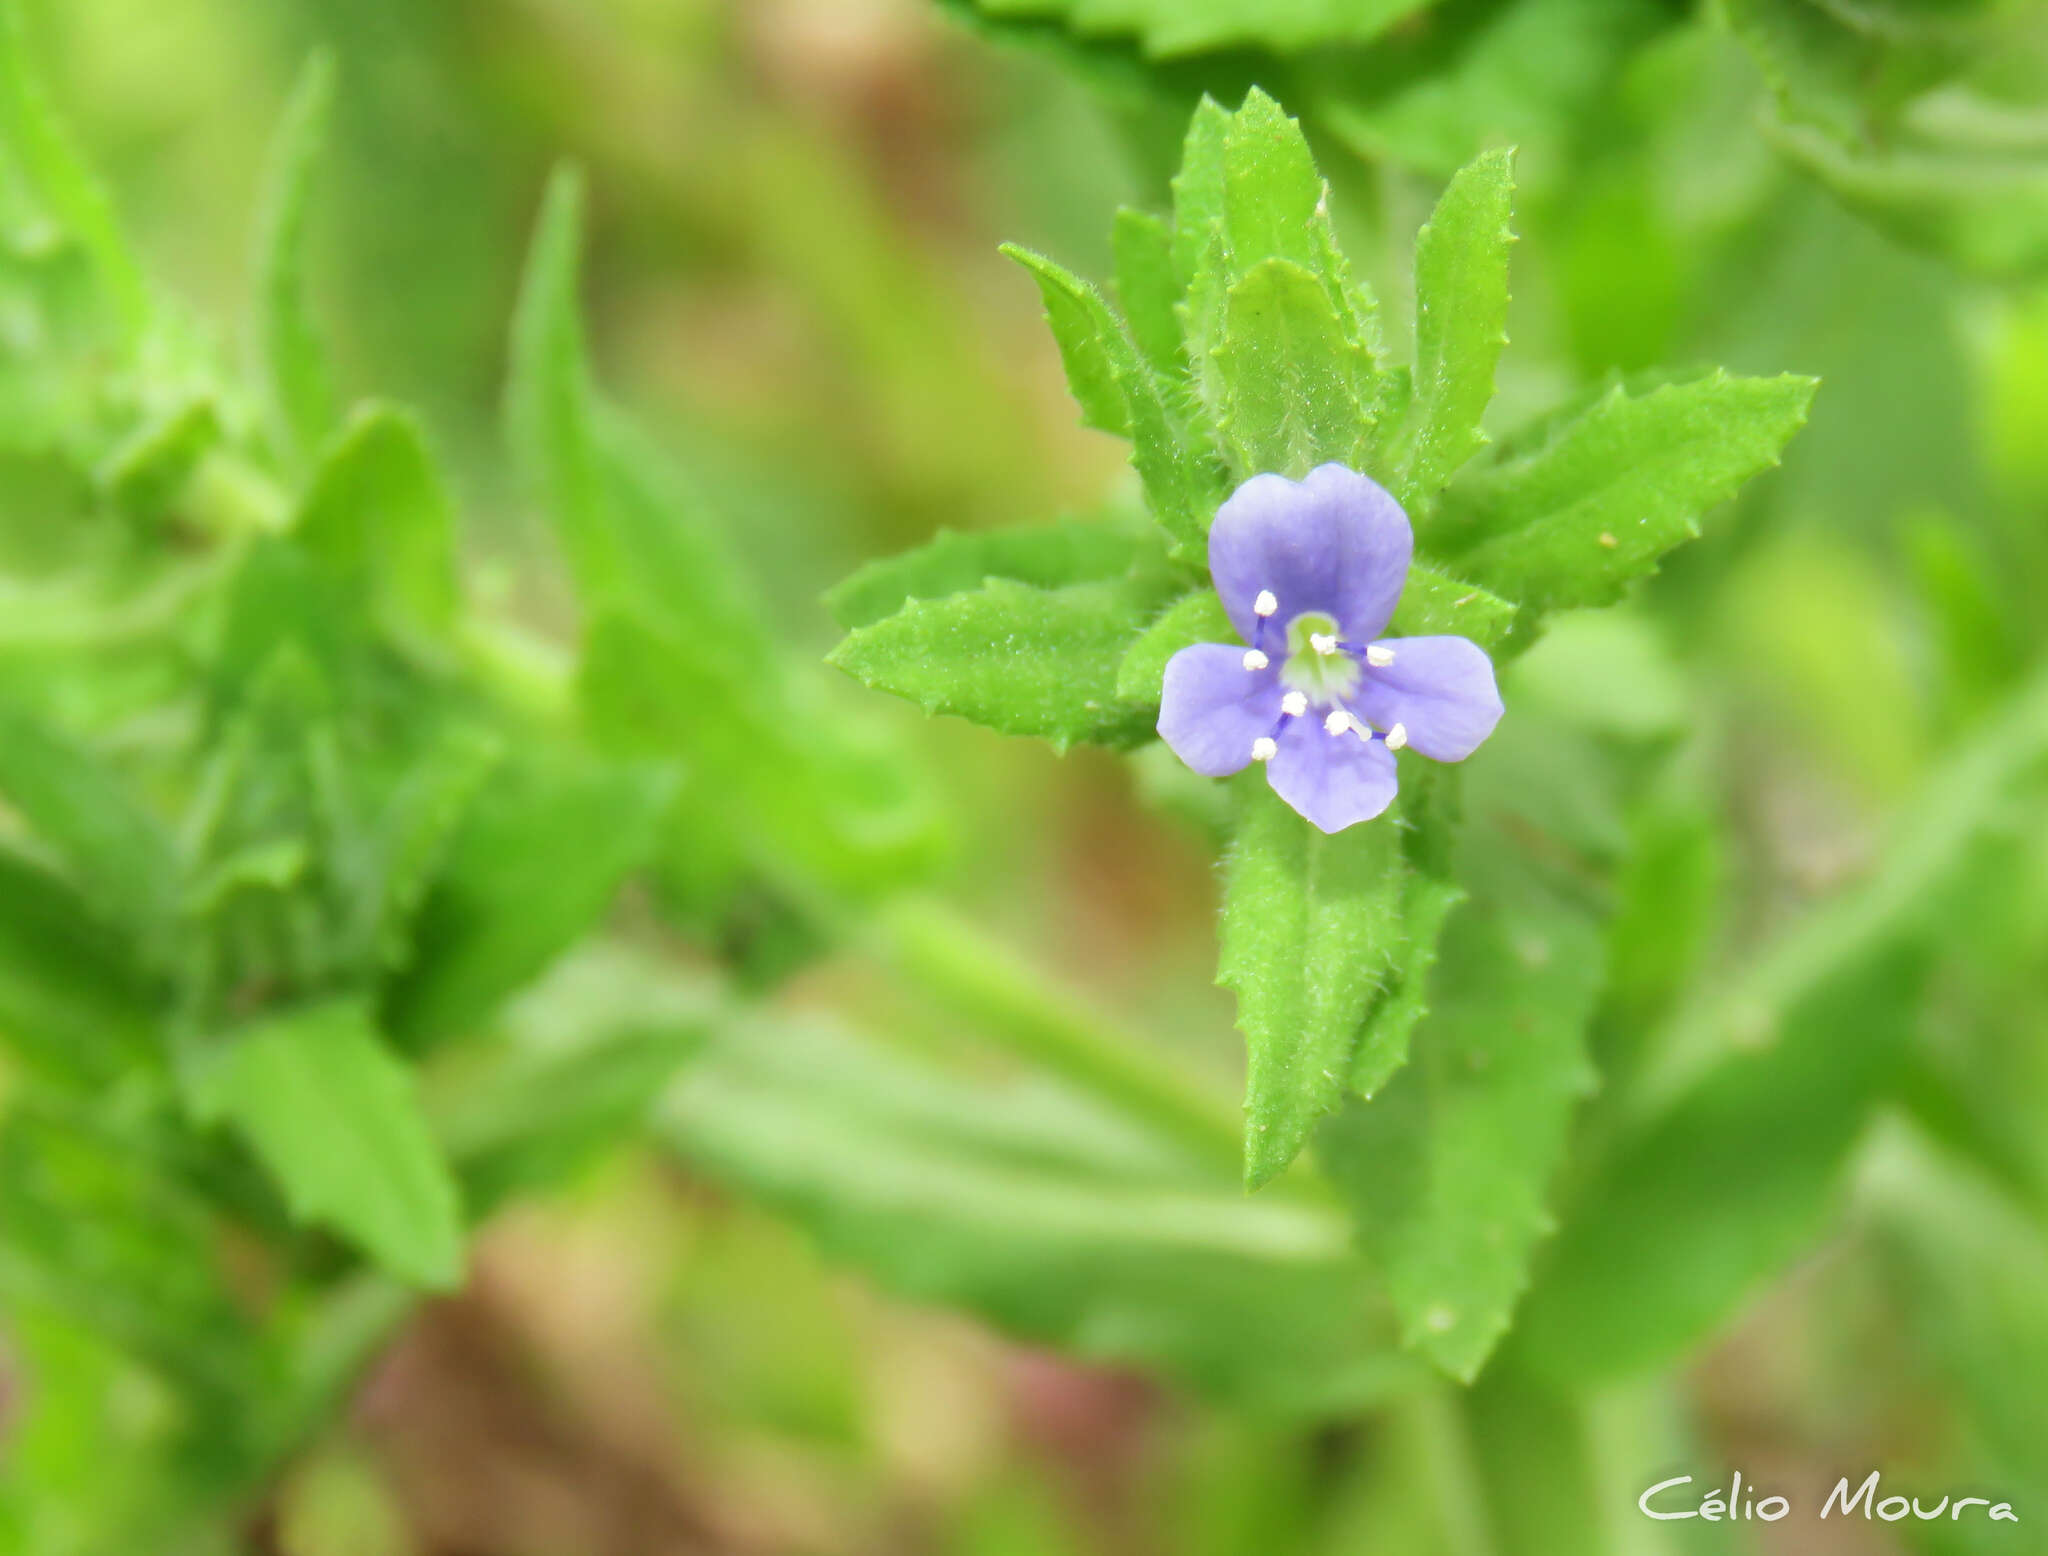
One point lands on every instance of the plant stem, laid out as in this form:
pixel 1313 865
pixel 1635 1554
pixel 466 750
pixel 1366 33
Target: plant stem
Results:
pixel 1018 1005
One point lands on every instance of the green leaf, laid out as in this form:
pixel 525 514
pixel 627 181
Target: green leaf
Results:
pixel 1017 659
pixel 1197 617
pixel 1046 556
pixel 1435 603
pixel 1149 289
pixel 1198 198
pixel 73 1009
pixel 145 475
pixel 334 1116
pixel 1098 356
pixel 772 775
pixel 1610 492
pixel 1101 363
pixel 291 359
pixel 60 180
pixel 1461 317
pixel 1040 1210
pixel 1294 387
pixel 1383 1046
pixel 116 852
pixel 1449 1166
pixel 378 516
pixel 535 863
pixel 550 406
pixel 1168 28
pixel 1701 1203
pixel 1311 929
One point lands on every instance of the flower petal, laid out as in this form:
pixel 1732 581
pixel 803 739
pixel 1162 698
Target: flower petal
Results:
pixel 1333 541
pixel 1332 780
pixel 1212 708
pixel 1441 690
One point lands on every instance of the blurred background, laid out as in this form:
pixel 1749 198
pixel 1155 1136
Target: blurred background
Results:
pixel 791 283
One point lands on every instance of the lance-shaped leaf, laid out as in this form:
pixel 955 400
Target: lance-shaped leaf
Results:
pixel 1149 289
pixel 1046 556
pixel 536 860
pixel 116 852
pixel 1311 929
pixel 1294 388
pixel 1461 316
pixel 379 517
pixel 335 1117
pixel 1598 503
pixel 1448 1167
pixel 1118 393
pixel 291 359
pixel 1017 659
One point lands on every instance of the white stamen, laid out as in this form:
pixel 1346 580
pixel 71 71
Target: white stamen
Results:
pixel 1323 642
pixel 1266 603
pixel 1294 705
pixel 1264 749
pixel 1397 737
pixel 1378 656
pixel 1338 722
pixel 1254 660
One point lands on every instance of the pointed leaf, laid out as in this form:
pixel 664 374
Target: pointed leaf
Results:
pixel 1311 928
pixel 1449 1167
pixel 1294 389
pixel 1595 507
pixel 1021 660
pixel 1461 316
pixel 291 359
pixel 1097 355
pixel 334 1115
pixel 1046 556
pixel 378 515
pixel 1149 290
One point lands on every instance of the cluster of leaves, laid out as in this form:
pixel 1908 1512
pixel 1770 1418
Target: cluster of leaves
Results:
pixel 1244 344
pixel 1927 118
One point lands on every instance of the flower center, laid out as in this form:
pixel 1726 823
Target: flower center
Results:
pixel 1314 667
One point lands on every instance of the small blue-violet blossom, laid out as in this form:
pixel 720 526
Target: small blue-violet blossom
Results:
pixel 1309 573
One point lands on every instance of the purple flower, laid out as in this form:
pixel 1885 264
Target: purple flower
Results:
pixel 1309 572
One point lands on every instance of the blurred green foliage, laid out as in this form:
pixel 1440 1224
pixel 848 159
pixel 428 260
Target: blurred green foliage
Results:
pixel 434 857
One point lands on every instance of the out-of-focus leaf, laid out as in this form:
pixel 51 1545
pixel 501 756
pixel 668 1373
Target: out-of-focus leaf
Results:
pixel 794 794
pixel 144 476
pixel 377 515
pixel 1461 317
pixel 60 180
pixel 1702 1203
pixel 419 822
pixel 92 1226
pixel 1611 491
pixel 1294 386
pixel 1165 28
pixel 290 357
pixel 1022 660
pixel 1197 617
pixel 336 1118
pixel 1045 1213
pixel 1046 556
pixel 72 1008
pixel 1310 932
pixel 1482 73
pixel 1972 1267
pixel 583 1057
pixel 1449 1166
pixel 536 861
pixel 113 848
